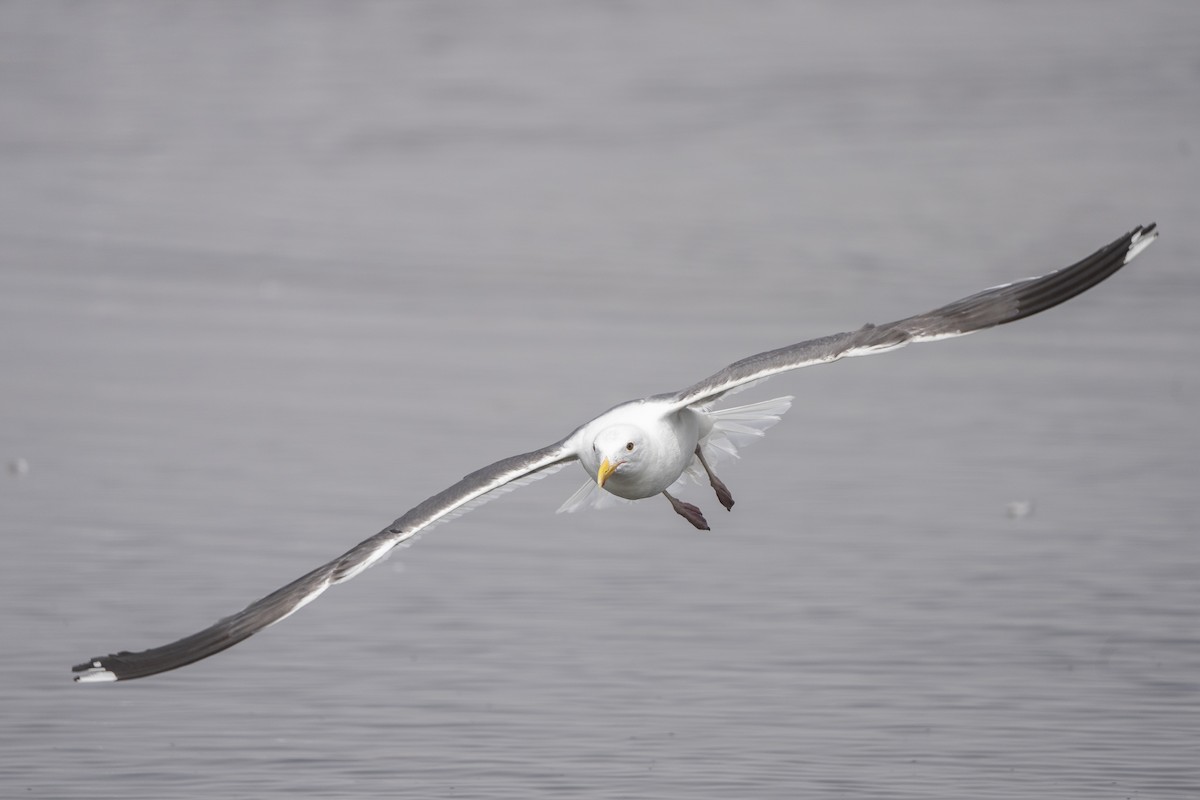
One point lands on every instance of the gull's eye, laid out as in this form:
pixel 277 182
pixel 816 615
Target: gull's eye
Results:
pixel 629 446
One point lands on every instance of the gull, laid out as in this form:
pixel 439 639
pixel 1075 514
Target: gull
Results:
pixel 641 448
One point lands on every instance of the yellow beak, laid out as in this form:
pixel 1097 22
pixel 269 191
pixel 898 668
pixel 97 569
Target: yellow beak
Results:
pixel 606 468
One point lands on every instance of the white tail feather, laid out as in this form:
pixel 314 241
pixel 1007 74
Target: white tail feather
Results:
pixel 590 495
pixel 741 425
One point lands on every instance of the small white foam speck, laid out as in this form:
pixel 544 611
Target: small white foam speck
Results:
pixel 1020 509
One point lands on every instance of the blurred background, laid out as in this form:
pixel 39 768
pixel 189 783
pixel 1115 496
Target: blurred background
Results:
pixel 272 273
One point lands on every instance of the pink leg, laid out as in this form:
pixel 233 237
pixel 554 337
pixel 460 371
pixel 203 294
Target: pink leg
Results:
pixel 717 484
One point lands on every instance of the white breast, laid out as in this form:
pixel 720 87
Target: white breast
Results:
pixel 668 442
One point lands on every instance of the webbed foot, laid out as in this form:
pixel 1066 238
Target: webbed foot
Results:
pixel 688 511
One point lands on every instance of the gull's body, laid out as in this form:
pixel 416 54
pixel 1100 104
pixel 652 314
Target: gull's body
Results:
pixel 642 448
pixel 667 440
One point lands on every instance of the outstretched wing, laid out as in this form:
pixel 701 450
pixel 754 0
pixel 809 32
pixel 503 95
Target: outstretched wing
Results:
pixel 995 306
pixel 475 488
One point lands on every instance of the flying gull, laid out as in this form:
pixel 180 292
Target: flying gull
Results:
pixel 641 448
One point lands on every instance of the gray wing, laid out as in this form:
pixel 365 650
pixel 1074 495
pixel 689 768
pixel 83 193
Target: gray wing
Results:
pixel 994 306
pixel 477 487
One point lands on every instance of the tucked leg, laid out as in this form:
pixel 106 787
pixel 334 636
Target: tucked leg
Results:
pixel 688 512
pixel 717 484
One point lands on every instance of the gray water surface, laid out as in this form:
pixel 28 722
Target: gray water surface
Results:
pixel 273 273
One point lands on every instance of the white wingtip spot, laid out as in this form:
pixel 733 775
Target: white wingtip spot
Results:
pixel 97 674
pixel 1139 242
